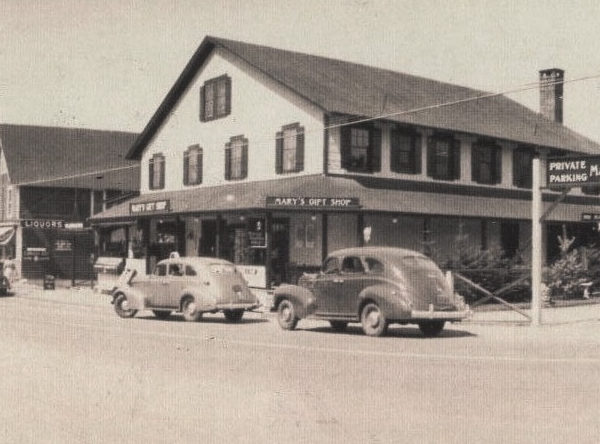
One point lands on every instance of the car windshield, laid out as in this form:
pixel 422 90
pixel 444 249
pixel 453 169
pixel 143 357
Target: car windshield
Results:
pixel 221 268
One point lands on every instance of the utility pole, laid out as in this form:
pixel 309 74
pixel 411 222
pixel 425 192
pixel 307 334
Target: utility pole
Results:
pixel 536 242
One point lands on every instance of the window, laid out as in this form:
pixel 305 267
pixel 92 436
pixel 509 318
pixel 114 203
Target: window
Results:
pixel 175 270
pixel 374 266
pixel 405 155
pixel 189 271
pixel 236 158
pixel 215 98
pixel 192 166
pixel 486 163
pixel 443 158
pixel 331 266
pixel 161 270
pixel 522 164
pixel 156 173
pixel 352 264
pixel 361 149
pixel 289 149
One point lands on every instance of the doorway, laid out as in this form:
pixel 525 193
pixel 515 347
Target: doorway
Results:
pixel 208 238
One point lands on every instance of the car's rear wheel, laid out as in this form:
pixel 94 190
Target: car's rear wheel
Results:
pixel 338 325
pixel 373 320
pixel 160 314
pixel 190 310
pixel 431 329
pixel 233 315
pixel 286 315
pixel 122 307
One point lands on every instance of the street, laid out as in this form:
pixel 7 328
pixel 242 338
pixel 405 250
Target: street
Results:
pixel 76 373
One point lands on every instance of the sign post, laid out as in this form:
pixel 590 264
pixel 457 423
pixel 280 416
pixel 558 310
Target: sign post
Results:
pixel 536 243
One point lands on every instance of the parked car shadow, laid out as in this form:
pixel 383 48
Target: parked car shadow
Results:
pixel 394 331
pixel 211 319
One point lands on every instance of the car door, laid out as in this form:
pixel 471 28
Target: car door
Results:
pixel 325 287
pixel 175 284
pixel 351 281
pixel 154 287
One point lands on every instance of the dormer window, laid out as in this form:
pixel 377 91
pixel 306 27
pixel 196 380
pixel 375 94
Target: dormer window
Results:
pixel 215 98
pixel 156 172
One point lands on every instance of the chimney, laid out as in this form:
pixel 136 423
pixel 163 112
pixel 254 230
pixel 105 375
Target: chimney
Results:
pixel 551 93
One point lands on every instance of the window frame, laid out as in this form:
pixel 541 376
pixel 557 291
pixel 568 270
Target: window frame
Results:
pixel 243 156
pixel 492 149
pixel 157 159
pixel 373 149
pixel 522 173
pixel 413 166
pixel 281 150
pixel 187 155
pixel 454 158
pixel 218 108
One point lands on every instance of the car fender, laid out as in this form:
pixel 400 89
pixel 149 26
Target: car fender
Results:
pixel 204 299
pixel 302 299
pixel 135 298
pixel 388 297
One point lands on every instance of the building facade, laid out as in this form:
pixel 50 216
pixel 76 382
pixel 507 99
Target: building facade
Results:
pixel 51 181
pixel 272 159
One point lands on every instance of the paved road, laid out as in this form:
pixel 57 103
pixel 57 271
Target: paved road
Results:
pixel 75 373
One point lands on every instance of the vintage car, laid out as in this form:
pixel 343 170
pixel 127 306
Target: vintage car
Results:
pixel 190 285
pixel 375 286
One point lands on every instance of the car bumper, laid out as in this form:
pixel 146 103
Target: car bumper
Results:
pixel 442 315
pixel 238 306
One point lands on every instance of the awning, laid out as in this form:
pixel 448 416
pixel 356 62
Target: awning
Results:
pixel 6 234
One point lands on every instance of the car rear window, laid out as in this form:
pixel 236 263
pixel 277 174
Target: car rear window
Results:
pixel 221 268
pixel 189 271
pixel 374 266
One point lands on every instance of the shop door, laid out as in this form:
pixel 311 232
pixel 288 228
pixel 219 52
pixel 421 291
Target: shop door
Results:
pixel 208 238
pixel 280 250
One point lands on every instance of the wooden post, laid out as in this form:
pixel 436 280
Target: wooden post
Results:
pixel 536 242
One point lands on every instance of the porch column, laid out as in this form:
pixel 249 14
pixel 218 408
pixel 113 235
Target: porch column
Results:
pixel 324 237
pixel 268 265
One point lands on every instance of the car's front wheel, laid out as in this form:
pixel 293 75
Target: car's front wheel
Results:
pixel 373 320
pixel 431 329
pixel 160 314
pixel 286 315
pixel 233 315
pixel 190 310
pixel 122 307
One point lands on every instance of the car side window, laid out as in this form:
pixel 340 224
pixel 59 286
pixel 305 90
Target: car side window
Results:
pixel 161 270
pixel 175 270
pixel 331 266
pixel 189 271
pixel 352 264
pixel 374 266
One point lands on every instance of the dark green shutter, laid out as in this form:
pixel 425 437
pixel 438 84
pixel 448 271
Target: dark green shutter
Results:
pixel 202 100
pixel 418 141
pixel 345 142
pixel 300 150
pixel 475 162
pixel 186 167
pixel 244 169
pixel 162 172
pixel 279 153
pixel 498 164
pixel 227 95
pixel 374 157
pixel 228 161
pixel 151 174
pixel 394 158
pixel 199 166
pixel 455 153
pixel 431 157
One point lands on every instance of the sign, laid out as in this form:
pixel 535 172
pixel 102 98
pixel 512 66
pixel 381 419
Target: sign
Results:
pixel 42 223
pixel 74 225
pixel 590 217
pixel 255 275
pixel 36 254
pixel 313 202
pixel 256 233
pixel 573 171
pixel 157 206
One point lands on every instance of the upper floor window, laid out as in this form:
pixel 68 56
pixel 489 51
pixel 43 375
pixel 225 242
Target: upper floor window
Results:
pixel 236 158
pixel 405 154
pixel 361 148
pixel 522 165
pixel 289 150
pixel 486 162
pixel 215 98
pixel 443 158
pixel 192 165
pixel 156 173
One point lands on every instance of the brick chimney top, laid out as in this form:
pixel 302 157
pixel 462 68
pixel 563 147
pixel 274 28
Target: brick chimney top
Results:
pixel 551 93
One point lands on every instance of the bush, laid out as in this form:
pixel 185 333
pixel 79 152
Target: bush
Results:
pixel 565 276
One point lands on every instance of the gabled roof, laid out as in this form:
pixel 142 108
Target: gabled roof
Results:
pixel 69 157
pixel 359 90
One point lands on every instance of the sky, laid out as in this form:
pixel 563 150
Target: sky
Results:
pixel 107 64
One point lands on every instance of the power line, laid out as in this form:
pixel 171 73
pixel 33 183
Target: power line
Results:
pixel 521 88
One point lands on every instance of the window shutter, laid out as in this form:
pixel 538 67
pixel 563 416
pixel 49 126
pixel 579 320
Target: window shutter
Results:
pixel 418 142
pixel 394 151
pixel 431 157
pixel 228 161
pixel 375 150
pixel 300 150
pixel 151 174
pixel 498 165
pixel 202 101
pixel 227 95
pixel 517 166
pixel 345 146
pixel 199 166
pixel 475 162
pixel 244 169
pixel 455 147
pixel 279 153
pixel 186 167
pixel 162 172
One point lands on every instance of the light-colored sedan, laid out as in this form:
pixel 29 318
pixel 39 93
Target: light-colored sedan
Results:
pixel 189 285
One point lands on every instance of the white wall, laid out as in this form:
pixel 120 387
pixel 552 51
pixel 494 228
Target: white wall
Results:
pixel 259 108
